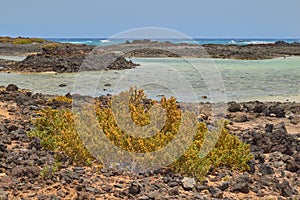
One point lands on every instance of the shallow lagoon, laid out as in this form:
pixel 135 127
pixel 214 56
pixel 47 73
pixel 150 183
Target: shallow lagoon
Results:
pixel 188 79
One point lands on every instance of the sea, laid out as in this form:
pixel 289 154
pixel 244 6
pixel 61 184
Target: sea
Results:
pixel 112 41
pixel 188 79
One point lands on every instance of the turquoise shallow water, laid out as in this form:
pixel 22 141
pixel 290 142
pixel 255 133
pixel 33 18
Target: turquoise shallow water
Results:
pixel 181 39
pixel 187 79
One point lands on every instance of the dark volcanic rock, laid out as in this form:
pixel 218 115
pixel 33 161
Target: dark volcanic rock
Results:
pixel 234 107
pixel 277 110
pixel 12 87
pixel 269 128
pixel 292 166
pixel 29 171
pixel 22 158
pixel 241 187
pixel 285 189
pixel 55 57
pixel 62 85
pixel 266 169
pixel 135 188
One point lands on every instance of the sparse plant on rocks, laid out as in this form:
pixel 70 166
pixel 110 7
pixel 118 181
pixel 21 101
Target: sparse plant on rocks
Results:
pixel 57 131
pixel 49 170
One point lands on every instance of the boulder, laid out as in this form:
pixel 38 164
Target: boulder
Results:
pixel 12 87
pixel 234 107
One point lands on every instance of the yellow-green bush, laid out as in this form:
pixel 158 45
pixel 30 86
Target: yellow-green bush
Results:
pixel 51 45
pixel 20 40
pixel 61 99
pixel 57 131
pixel 37 40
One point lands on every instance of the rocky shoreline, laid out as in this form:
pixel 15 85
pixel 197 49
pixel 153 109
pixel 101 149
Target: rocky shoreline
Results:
pixel 271 128
pixel 62 57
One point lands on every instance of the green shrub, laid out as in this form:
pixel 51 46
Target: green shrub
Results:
pixel 37 40
pixel 228 151
pixel 21 41
pixel 57 131
pixel 49 170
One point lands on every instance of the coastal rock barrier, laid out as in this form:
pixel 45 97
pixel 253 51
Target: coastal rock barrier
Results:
pixel 63 57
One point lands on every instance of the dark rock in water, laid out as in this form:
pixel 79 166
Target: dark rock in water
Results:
pixel 62 85
pixel 280 42
pixel 234 107
pixel 68 95
pixel 269 128
pixel 107 84
pixel 12 87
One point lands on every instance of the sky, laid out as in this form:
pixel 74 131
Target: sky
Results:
pixel 195 18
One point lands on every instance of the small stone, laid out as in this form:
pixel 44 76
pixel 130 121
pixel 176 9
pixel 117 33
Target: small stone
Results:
pixel 269 128
pixel 143 198
pixel 285 189
pixel 61 193
pixel 11 88
pixel 266 169
pixel 174 192
pixel 173 184
pixel 198 196
pixel 135 188
pixel 79 170
pixel 90 189
pixel 107 84
pixel 292 166
pixel 118 186
pixel 217 193
pixel 278 164
pixel 29 171
pixel 240 187
pixel 200 188
pixel 188 183
pixel 224 186
pixel 3 195
pixel 234 107
pixel 155 195
pixel 62 85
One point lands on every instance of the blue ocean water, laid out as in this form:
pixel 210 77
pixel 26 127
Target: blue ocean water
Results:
pixel 107 41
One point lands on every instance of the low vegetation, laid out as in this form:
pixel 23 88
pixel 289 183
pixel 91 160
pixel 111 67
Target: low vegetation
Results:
pixel 57 130
pixel 20 40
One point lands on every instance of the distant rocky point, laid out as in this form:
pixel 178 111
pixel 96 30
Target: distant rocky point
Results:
pixel 43 56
